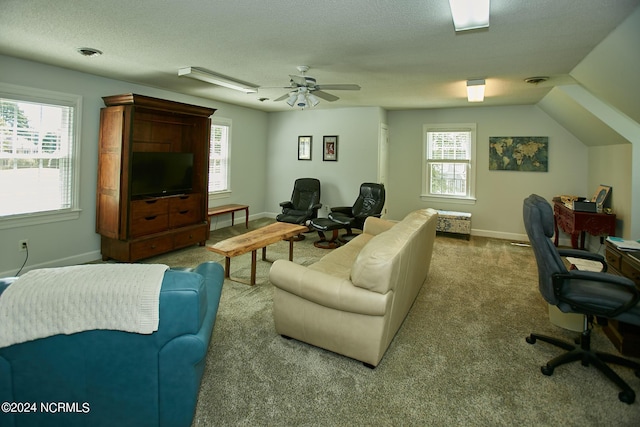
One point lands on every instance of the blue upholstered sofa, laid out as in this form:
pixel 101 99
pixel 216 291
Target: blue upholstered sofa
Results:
pixel 113 378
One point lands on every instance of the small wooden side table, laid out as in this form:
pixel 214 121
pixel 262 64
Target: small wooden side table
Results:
pixel 225 209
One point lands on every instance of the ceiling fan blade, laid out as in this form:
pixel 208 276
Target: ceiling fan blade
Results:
pixel 283 97
pixel 324 95
pixel 339 87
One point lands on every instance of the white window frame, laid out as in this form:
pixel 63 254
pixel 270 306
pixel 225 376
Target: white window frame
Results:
pixel 426 195
pixel 21 93
pixel 221 121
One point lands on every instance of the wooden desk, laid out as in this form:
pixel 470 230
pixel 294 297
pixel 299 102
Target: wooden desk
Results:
pixel 578 223
pixel 625 337
pixel 254 240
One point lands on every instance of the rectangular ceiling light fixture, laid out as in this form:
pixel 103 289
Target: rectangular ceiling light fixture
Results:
pixel 217 79
pixel 469 14
pixel 475 90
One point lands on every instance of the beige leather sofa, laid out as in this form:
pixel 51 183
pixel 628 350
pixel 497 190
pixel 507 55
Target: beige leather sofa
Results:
pixel 354 299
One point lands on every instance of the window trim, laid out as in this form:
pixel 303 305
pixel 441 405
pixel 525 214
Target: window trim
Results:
pixel 36 95
pixel 453 127
pixel 223 121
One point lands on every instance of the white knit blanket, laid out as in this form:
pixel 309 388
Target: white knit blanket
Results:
pixel 51 301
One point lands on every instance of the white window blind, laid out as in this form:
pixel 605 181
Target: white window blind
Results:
pixel 219 157
pixel 37 169
pixel 448 161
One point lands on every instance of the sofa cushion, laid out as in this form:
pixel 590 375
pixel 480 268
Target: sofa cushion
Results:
pixel 338 263
pixel 377 265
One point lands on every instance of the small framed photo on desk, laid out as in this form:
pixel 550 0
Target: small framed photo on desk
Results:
pixel 601 196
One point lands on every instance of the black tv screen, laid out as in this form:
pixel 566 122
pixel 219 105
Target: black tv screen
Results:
pixel 161 173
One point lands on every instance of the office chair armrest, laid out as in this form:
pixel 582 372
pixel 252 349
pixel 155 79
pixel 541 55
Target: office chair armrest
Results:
pixel 608 279
pixel 316 206
pixel 577 253
pixel 287 204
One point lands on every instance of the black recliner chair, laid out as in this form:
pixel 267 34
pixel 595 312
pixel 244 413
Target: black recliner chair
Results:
pixel 304 203
pixel 370 202
pixel 594 294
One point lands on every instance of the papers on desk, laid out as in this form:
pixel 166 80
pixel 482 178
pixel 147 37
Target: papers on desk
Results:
pixel 624 245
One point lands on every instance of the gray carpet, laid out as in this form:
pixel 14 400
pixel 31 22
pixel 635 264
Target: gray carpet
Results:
pixel 460 357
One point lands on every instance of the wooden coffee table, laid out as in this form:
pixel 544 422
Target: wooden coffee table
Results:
pixel 254 240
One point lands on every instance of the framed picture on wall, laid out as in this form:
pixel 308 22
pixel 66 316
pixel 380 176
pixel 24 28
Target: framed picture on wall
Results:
pixel 330 148
pixel 304 148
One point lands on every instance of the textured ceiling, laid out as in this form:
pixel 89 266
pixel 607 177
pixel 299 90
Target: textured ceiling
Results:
pixel 403 53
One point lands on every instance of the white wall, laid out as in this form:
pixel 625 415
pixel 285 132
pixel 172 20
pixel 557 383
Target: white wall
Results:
pixel 71 242
pixel 498 209
pixel 358 132
pixel 611 165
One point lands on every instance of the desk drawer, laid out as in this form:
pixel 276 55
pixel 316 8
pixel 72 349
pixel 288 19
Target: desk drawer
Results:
pixel 613 259
pixel 630 271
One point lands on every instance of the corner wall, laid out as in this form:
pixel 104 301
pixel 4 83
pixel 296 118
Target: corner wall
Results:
pixel 498 209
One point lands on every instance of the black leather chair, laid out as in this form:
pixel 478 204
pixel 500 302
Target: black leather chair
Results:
pixel 595 294
pixel 370 202
pixel 304 203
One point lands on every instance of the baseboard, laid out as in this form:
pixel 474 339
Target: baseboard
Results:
pixel 500 235
pixel 60 262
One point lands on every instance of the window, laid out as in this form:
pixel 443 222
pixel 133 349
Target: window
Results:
pixel 38 155
pixel 219 155
pixel 448 161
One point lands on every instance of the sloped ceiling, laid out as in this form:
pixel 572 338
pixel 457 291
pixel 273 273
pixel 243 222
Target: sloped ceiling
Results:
pixel 610 73
pixel 404 54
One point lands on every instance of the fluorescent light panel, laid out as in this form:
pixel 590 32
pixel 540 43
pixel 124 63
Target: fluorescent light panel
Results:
pixel 475 90
pixel 470 14
pixel 217 79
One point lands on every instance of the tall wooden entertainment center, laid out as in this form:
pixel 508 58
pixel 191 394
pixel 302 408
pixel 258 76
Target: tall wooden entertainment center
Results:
pixel 133 228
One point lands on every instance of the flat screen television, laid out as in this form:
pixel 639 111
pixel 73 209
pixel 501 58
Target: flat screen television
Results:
pixel 161 173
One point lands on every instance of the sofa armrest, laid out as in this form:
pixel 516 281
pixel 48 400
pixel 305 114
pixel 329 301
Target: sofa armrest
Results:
pixel 375 226
pixel 329 291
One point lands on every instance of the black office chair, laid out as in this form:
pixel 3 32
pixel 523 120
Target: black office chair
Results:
pixel 304 203
pixel 594 294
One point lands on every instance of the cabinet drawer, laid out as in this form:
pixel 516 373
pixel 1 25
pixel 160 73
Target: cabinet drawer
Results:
pixel 190 237
pixel 613 259
pixel 149 224
pixel 185 210
pixel 187 201
pixel 184 217
pixel 150 247
pixel 148 207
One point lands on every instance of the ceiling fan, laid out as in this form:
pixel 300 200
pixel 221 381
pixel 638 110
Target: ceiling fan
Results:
pixel 304 90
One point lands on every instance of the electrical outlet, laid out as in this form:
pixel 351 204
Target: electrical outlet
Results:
pixel 22 245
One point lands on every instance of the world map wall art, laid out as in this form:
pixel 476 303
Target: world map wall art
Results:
pixel 519 153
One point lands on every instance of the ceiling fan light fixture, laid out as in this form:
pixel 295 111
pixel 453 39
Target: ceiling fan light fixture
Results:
pixel 475 90
pixel 301 101
pixel 292 99
pixel 313 100
pixel 217 79
pixel 470 14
